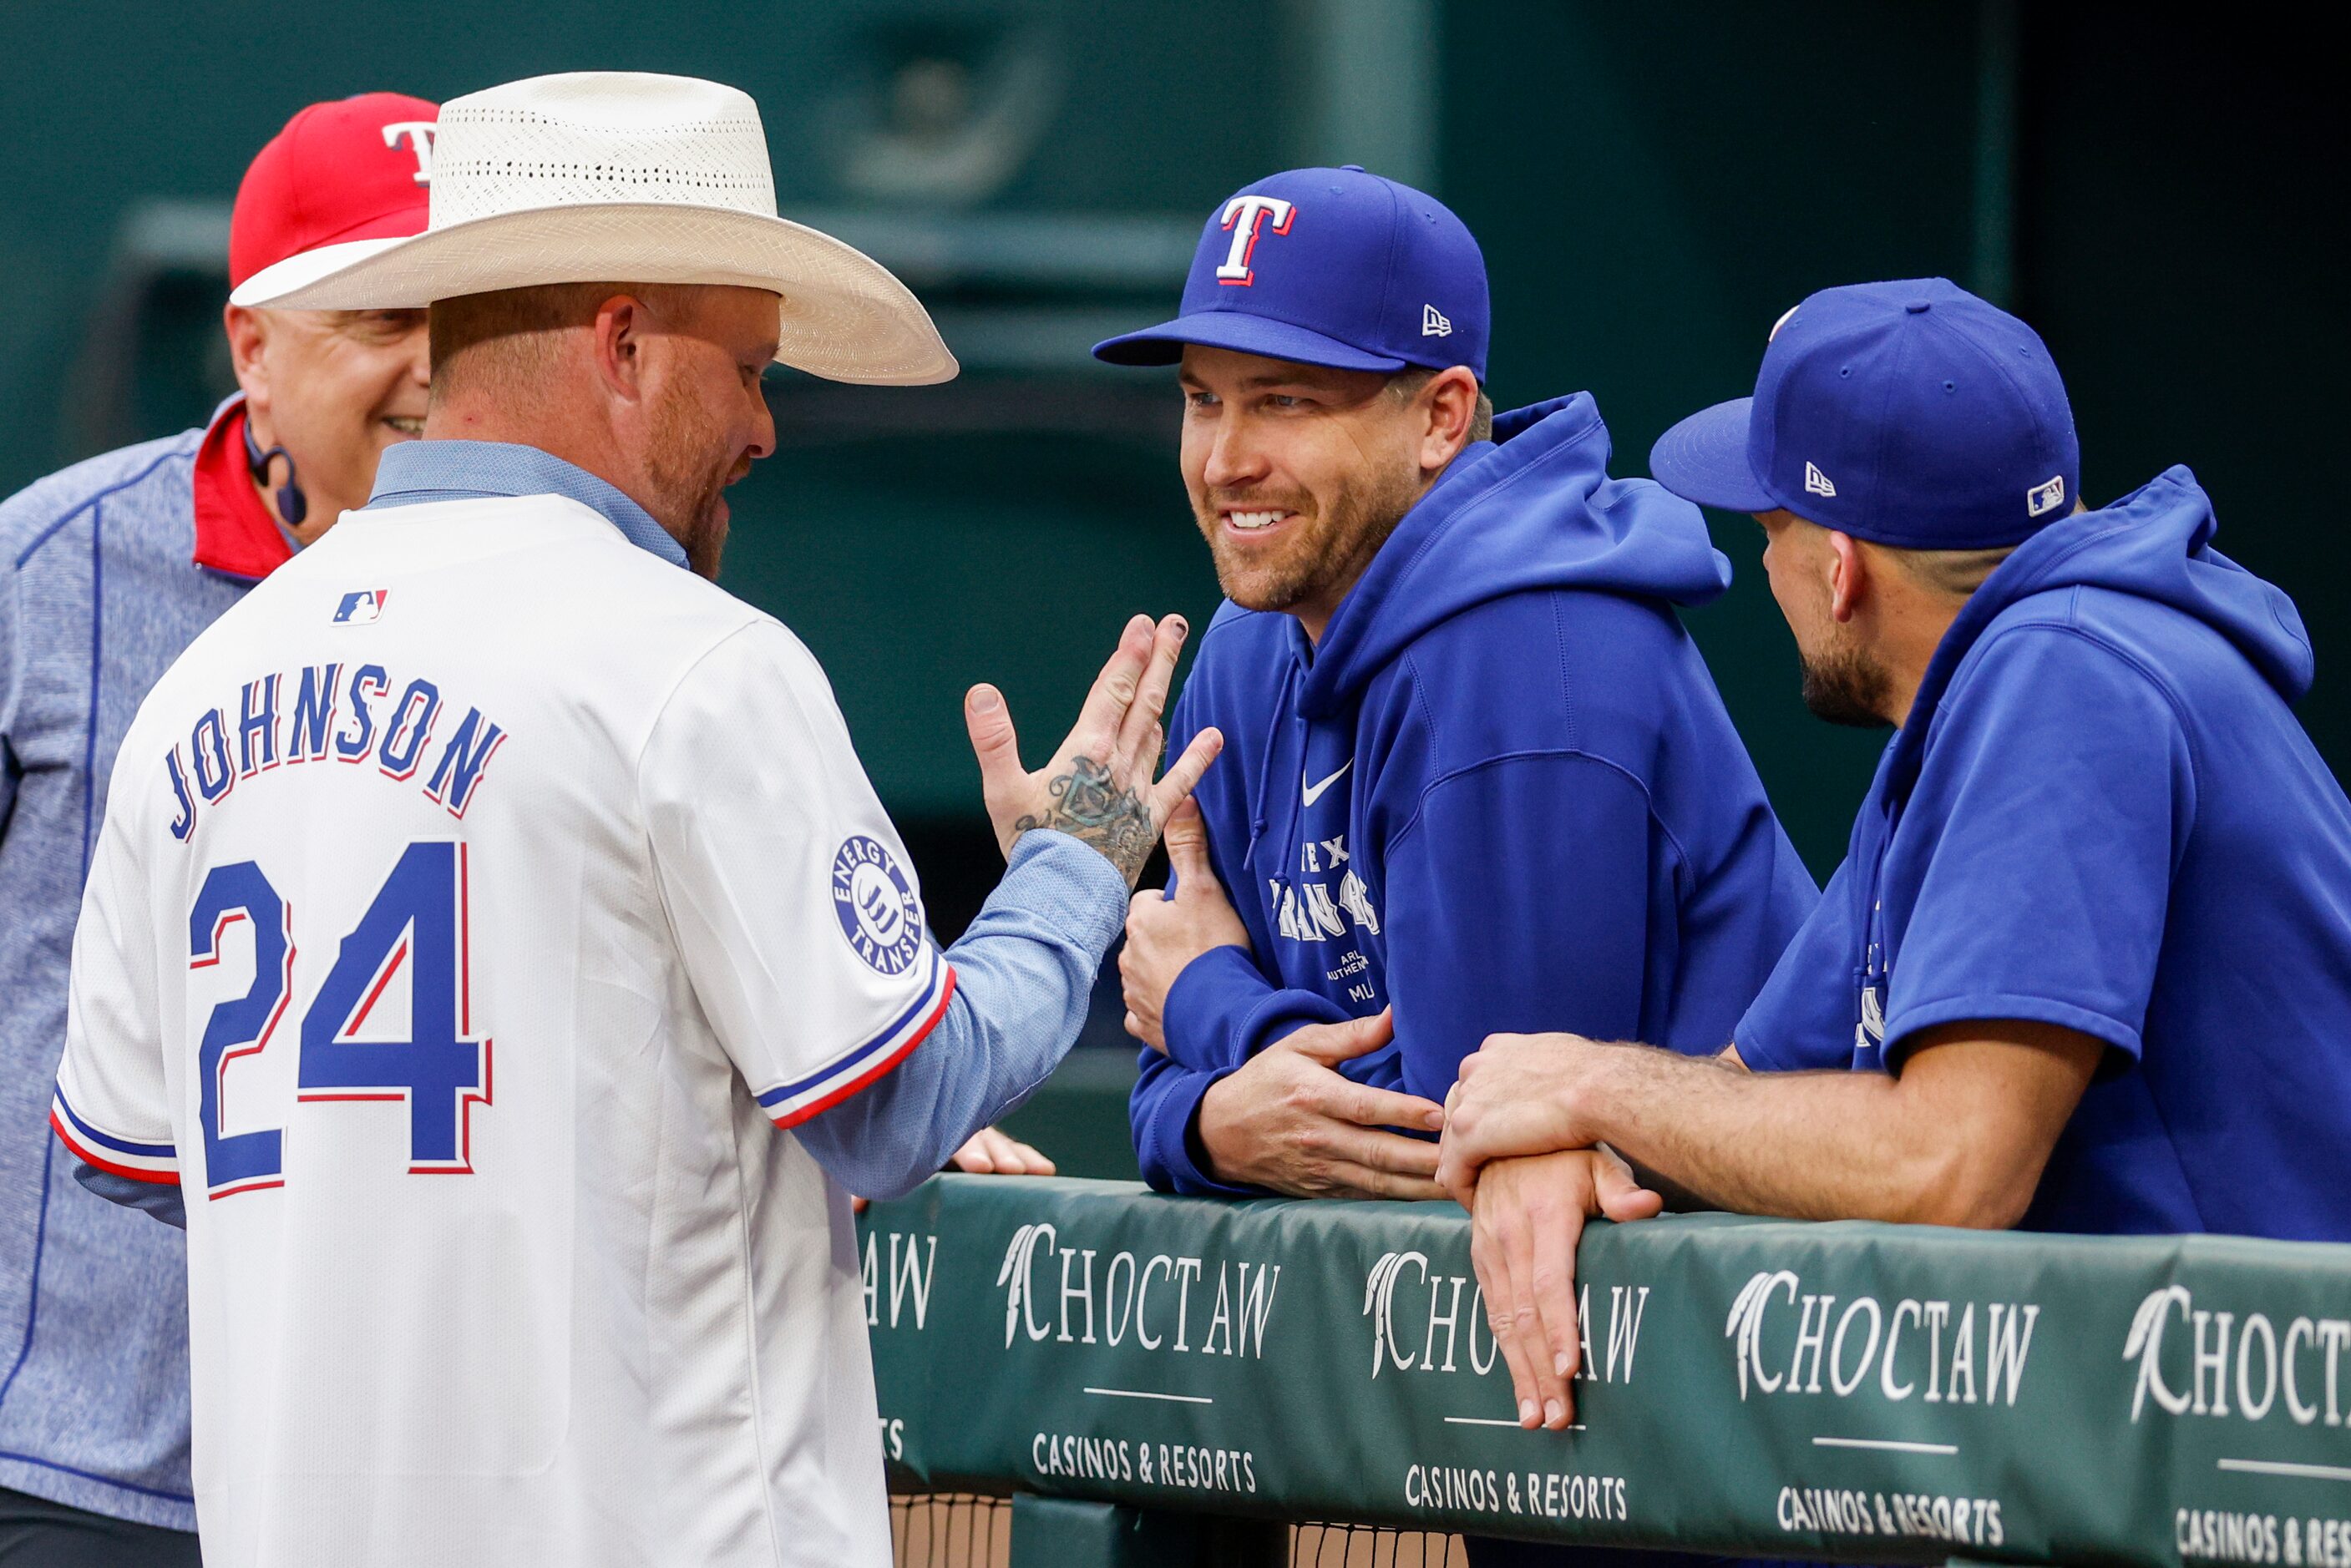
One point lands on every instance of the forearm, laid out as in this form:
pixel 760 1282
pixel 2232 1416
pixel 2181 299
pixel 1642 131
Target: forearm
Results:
pixel 1803 1146
pixel 1024 971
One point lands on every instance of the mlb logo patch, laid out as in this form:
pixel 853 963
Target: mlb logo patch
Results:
pixel 2043 499
pixel 361 605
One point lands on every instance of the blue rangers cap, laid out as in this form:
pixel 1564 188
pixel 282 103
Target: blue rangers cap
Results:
pixel 1908 413
pixel 1328 266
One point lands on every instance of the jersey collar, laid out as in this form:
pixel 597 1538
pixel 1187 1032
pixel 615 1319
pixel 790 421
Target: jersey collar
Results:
pixel 417 471
pixel 236 535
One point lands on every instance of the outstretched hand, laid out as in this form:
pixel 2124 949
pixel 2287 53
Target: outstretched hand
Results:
pixel 1099 787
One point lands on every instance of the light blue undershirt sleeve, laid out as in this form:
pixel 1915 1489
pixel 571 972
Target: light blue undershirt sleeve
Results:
pixel 1023 971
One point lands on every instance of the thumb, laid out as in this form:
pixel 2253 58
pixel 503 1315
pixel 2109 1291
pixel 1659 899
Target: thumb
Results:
pixel 1620 1193
pixel 992 737
pixel 1331 1044
pixel 1187 848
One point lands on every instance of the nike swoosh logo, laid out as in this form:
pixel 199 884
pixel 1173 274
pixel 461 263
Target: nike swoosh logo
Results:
pixel 1314 791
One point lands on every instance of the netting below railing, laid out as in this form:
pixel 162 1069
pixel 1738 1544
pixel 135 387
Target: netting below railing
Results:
pixel 957 1529
pixel 951 1529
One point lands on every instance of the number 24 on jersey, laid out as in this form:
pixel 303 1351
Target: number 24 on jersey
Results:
pixel 418 918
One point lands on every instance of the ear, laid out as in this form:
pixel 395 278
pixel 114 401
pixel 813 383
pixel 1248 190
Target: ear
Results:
pixel 625 325
pixel 1848 574
pixel 248 335
pixel 1451 399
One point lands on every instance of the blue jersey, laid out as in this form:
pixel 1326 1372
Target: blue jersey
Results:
pixel 2103 814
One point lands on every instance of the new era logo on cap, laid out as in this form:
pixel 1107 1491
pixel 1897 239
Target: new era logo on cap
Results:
pixel 1433 323
pixel 361 605
pixel 1937 411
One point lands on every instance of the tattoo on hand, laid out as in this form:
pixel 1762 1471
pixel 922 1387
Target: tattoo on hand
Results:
pixel 1089 805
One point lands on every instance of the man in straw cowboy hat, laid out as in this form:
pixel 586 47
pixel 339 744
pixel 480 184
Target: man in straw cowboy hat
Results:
pixel 479 891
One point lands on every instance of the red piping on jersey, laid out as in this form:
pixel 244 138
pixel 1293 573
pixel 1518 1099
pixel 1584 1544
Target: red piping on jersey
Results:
pixel 92 1157
pixel 794 1118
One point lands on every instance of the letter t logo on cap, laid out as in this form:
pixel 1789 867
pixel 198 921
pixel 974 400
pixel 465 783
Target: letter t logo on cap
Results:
pixel 1244 215
pixel 418 134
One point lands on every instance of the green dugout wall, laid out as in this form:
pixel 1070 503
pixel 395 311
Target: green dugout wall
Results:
pixel 1653 180
pixel 1861 1392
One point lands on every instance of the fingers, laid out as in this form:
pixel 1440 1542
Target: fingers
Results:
pixel 1187 848
pixel 1370 1107
pixel 1514 1229
pixel 1184 774
pixel 1136 748
pixel 1014 1157
pixel 1387 1152
pixel 1347 1180
pixel 993 742
pixel 1096 732
pixel 1551 1282
pixel 994 1152
pixel 1146 1033
pixel 1492 1268
pixel 1331 1044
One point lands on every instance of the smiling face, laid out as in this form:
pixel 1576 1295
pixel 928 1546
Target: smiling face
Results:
pixel 334 388
pixel 1298 474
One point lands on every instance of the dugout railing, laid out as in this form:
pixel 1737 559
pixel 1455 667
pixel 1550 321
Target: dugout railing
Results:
pixel 1158 1380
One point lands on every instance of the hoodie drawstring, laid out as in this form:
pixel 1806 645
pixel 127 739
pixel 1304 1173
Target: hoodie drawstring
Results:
pixel 1281 705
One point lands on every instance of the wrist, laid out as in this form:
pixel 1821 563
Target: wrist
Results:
pixel 1595 1102
pixel 1208 1125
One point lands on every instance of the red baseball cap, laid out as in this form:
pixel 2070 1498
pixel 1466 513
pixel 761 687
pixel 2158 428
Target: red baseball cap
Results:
pixel 356 169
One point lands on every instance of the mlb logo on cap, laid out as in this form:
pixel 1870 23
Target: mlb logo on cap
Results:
pixel 1328 266
pixel 361 607
pixel 1909 414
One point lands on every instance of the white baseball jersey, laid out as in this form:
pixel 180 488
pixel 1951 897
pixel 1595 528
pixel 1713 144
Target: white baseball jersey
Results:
pixel 476 900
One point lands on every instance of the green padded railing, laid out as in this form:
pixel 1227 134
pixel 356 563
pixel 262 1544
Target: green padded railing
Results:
pixel 1863 1392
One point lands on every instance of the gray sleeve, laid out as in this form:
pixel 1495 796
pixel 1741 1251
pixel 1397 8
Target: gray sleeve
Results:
pixel 10 769
pixel 159 1199
pixel 1022 976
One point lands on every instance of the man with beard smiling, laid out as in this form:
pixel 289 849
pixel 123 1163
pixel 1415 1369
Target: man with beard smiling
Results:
pixel 2087 964
pixel 1477 771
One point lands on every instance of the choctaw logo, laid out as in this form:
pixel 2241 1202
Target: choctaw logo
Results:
pixel 876 906
pixel 1931 1349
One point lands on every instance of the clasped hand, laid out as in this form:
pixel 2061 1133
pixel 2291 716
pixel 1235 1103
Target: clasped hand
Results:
pixel 1510 1156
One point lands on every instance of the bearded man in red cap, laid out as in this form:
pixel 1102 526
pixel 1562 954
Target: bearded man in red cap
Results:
pixel 108 570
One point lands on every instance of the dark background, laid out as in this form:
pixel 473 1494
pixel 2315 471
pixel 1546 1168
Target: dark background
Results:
pixel 1654 183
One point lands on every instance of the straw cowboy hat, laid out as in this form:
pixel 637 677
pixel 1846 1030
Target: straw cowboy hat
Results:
pixel 616 176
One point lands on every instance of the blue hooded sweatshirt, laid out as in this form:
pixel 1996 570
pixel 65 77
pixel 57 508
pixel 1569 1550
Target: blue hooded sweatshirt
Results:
pixel 1501 795
pixel 2102 814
